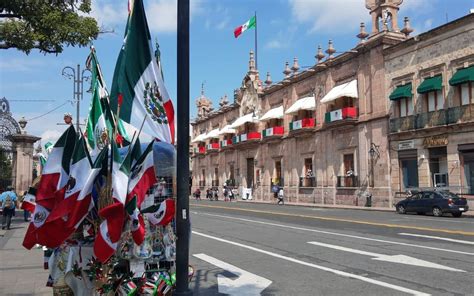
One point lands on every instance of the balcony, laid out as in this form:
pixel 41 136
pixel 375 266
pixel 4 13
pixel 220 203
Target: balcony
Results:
pixel 302 127
pixel 461 114
pixel 250 137
pixel 225 143
pixel 347 181
pixel 199 151
pixel 402 124
pixel 431 119
pixel 273 132
pixel 212 147
pixel 341 116
pixel 307 182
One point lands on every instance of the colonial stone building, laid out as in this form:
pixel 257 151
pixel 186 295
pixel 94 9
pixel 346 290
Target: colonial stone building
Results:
pixel 330 134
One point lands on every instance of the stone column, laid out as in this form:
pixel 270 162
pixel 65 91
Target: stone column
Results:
pixel 22 174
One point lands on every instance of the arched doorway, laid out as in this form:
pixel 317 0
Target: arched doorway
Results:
pixel 8 127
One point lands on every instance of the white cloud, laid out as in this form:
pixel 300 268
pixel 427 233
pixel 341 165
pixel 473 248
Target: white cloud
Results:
pixel 336 16
pixel 50 136
pixel 20 64
pixel 161 14
pixel 428 24
pixel 275 44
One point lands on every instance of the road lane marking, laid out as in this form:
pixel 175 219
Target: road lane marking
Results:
pixel 439 238
pixel 320 267
pixel 342 220
pixel 247 284
pixel 402 259
pixel 441 219
pixel 339 234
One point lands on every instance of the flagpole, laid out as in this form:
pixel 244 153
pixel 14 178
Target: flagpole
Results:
pixel 183 227
pixel 256 54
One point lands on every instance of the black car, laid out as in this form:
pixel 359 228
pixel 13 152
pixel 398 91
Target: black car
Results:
pixel 434 202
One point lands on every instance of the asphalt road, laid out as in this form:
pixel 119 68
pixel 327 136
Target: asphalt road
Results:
pixel 252 249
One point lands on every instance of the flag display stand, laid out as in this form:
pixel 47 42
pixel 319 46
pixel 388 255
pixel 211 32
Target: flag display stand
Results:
pixel 105 204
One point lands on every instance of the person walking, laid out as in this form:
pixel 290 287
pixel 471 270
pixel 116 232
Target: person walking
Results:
pixel 281 196
pixel 8 201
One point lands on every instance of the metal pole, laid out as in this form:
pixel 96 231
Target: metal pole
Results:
pixel 77 84
pixel 256 53
pixel 183 227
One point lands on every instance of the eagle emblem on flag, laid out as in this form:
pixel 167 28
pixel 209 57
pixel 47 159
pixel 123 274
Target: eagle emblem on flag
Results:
pixel 154 103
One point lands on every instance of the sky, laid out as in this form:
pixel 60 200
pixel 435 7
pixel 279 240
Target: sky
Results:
pixel 286 29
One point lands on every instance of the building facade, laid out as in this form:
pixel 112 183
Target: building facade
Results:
pixel 330 134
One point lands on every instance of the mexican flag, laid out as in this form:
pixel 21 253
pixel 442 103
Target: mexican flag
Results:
pixel 137 223
pixel 161 214
pixel 29 200
pixel 136 151
pixel 139 83
pixel 114 214
pixel 51 187
pixel 142 176
pixel 101 122
pixel 251 23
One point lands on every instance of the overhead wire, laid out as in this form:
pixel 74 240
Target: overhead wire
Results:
pixel 50 111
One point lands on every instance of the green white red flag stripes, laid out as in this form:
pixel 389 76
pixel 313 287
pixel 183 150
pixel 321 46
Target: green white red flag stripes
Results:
pixel 29 200
pixel 142 176
pixel 56 170
pixel 161 214
pixel 246 26
pixel 138 80
pixel 137 224
pixel 104 247
pixel 54 177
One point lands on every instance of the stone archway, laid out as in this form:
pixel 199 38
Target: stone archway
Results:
pixel 8 127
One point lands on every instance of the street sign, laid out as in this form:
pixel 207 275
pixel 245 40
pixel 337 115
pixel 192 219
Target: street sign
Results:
pixel 246 284
pixel 402 259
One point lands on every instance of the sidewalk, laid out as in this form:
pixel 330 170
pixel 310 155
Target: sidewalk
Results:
pixel 469 213
pixel 21 270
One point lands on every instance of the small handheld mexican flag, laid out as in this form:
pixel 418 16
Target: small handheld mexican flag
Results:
pixel 251 23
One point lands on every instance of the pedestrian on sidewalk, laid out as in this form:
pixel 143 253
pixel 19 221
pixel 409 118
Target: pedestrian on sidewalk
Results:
pixel 197 194
pixel 8 201
pixel 281 196
pixel 26 213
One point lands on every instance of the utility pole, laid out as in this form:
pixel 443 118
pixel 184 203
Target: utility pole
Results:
pixel 183 227
pixel 78 78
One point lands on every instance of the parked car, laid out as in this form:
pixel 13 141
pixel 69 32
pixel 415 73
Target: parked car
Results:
pixel 434 202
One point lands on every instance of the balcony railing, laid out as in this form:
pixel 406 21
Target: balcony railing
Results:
pixel 200 150
pixel 402 124
pixel 231 183
pixel 226 143
pixel 249 137
pixel 273 131
pixel 307 182
pixel 430 119
pixel 347 181
pixel 341 114
pixel 302 124
pixel 212 147
pixel 453 115
pixel 461 114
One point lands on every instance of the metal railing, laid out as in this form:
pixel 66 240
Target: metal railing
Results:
pixel 347 181
pixel 453 115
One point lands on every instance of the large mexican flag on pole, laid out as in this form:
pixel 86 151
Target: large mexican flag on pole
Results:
pixel 139 82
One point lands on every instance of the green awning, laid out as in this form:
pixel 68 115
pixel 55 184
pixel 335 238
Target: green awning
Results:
pixel 430 84
pixel 402 91
pixel 462 76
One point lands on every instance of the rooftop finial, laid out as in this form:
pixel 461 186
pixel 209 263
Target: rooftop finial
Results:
pixel 295 66
pixel 331 50
pixel 268 81
pixel 406 28
pixel 252 63
pixel 320 55
pixel 287 70
pixel 202 88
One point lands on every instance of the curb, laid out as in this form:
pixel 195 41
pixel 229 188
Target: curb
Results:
pixel 469 214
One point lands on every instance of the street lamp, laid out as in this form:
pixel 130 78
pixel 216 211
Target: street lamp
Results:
pixel 374 154
pixel 78 78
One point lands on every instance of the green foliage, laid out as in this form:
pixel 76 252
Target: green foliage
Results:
pixel 47 25
pixel 5 165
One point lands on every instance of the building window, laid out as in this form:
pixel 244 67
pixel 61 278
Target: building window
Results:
pixel 467 93
pixel 277 179
pixel 405 106
pixel 308 179
pixel 435 100
pixel 438 164
pixel 349 178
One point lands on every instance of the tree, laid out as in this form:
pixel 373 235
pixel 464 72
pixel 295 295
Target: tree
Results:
pixel 47 25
